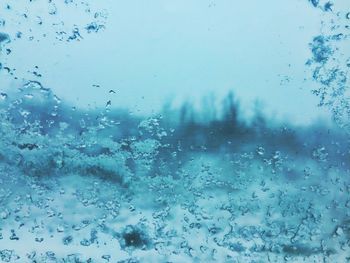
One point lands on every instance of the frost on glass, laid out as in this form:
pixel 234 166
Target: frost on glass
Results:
pixel 181 185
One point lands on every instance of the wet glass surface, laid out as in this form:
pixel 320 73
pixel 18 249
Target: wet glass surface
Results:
pixel 174 131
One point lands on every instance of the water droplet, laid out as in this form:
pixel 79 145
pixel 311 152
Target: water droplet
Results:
pixel 94 27
pixel 315 2
pixel 67 240
pixel 24 113
pixel 39 239
pixel 277 155
pixel 60 228
pixel 4 38
pixel 3 96
pixel 82 123
pixel 57 99
pixel 106 257
pixel 85 242
pixel 260 150
pixel 29 96
pixel 320 154
pixel 33 85
pixel 52 9
pixel 75 35
pixel 4 214
pixel 339 231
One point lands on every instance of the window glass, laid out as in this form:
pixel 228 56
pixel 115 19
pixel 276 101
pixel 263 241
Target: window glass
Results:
pixel 174 131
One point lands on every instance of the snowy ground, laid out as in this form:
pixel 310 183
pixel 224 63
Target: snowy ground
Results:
pixel 220 208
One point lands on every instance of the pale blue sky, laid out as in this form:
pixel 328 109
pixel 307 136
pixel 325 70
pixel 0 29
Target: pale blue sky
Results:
pixel 156 50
